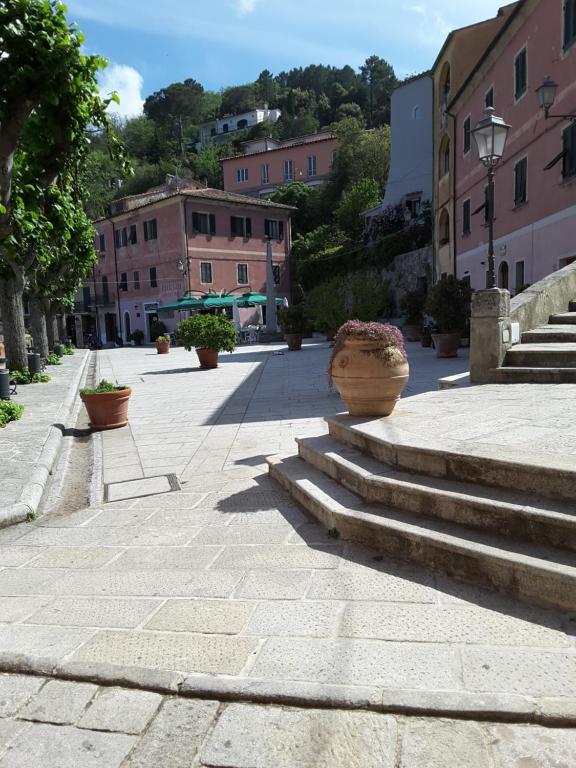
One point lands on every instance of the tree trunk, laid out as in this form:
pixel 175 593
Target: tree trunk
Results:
pixel 38 323
pixel 61 325
pixel 50 325
pixel 12 310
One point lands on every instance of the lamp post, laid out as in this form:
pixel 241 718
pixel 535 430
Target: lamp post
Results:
pixel 490 135
pixel 546 93
pixel 271 320
pixel 184 267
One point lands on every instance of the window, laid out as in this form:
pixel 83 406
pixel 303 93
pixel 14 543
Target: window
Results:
pixel 489 98
pixel 274 229
pixel 136 281
pixel 265 173
pixel 241 175
pixel 467 135
pixel 414 206
pixel 242 270
pixel 203 223
pixel 569 23
pixel 520 181
pixel 444 158
pixel 276 273
pixel 288 170
pixel 240 226
pixel 150 230
pixel 503 275
pixel 519 281
pixel 242 124
pixel 333 156
pixel 444 227
pixel 123 281
pixel 101 243
pixel 569 151
pixel 153 279
pixel 417 113
pixel 105 295
pixel 121 238
pixel 205 272
pixel 466 217
pixel 86 297
pixel 133 237
pixel 311 165
pixel 225 128
pixel 520 74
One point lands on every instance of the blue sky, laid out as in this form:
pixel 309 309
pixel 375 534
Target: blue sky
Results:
pixel 227 42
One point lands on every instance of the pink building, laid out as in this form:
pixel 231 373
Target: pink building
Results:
pixel 222 236
pixel 267 163
pixel 535 183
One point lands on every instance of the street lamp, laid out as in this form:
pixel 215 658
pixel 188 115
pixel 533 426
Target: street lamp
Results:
pixel 490 135
pixel 546 93
pixel 184 267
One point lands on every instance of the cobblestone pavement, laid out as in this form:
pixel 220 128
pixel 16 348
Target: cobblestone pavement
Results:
pixel 226 590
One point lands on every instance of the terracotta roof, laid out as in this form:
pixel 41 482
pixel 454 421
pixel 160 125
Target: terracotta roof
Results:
pixel 292 143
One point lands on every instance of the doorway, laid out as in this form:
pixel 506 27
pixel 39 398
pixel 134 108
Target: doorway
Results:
pixel 503 275
pixel 151 318
pixel 127 328
pixel 110 326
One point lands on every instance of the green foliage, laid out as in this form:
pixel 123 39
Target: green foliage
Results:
pixel 137 336
pixel 40 378
pixel 53 359
pixel 69 350
pixel 449 304
pixel 363 195
pixel 327 306
pixel 369 295
pixel 20 376
pixel 215 332
pixel 102 388
pixel 293 319
pixel 238 99
pixel 10 411
pixel 162 339
pixel 412 307
pixel 305 199
pixel 157 328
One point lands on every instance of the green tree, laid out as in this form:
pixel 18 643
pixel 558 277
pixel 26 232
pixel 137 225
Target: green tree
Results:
pixel 304 199
pixel 363 195
pixel 379 78
pixel 239 99
pixel 177 108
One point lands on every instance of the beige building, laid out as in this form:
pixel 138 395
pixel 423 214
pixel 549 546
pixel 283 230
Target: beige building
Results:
pixel 459 55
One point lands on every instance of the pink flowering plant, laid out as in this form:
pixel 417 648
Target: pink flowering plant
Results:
pixel 390 349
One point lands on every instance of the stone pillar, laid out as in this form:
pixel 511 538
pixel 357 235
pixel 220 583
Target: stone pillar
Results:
pixel 490 333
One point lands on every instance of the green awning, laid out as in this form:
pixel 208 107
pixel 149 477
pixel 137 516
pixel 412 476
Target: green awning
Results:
pixel 218 301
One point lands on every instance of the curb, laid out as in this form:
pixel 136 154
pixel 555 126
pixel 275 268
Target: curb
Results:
pixel 456 705
pixel 33 491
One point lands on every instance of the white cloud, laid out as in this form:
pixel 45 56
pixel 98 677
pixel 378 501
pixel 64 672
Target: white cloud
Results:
pixel 127 82
pixel 244 7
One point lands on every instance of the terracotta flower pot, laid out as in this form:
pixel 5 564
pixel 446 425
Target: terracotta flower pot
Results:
pixel 412 332
pixel 162 347
pixel 294 341
pixel 446 344
pixel 369 377
pixel 426 338
pixel 208 358
pixel 107 410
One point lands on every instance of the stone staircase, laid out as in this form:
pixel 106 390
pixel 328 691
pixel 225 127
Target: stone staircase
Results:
pixel 473 517
pixel 546 355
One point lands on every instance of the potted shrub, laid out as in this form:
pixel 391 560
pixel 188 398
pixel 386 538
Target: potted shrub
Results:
pixel 163 345
pixel 157 328
pixel 369 367
pixel 107 405
pixel 293 322
pixel 449 305
pixel 209 334
pixel 137 337
pixel 412 308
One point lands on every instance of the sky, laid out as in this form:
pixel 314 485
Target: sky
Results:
pixel 150 44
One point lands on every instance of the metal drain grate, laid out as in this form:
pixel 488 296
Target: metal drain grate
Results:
pixel 140 488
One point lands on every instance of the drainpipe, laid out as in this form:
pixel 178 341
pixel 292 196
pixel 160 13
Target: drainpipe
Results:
pixel 117 282
pixel 186 254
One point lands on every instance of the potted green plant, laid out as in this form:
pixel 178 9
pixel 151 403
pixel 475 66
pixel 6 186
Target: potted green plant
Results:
pixel 137 337
pixel 448 304
pixel 107 405
pixel 412 308
pixel 369 367
pixel 157 328
pixel 163 345
pixel 293 322
pixel 209 335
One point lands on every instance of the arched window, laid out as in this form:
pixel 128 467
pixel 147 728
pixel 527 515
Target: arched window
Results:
pixel 417 113
pixel 444 157
pixel 225 128
pixel 444 227
pixel 503 275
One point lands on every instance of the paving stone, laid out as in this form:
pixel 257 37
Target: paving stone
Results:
pixel 359 662
pixel 146 486
pixel 277 557
pixel 187 517
pixel 24 581
pixel 518 670
pixel 445 624
pixel 175 735
pixel 372 585
pixel 437 743
pixel 120 709
pixel 225 617
pixel 56 746
pixel 529 746
pixel 291 738
pixel 294 618
pixel 15 690
pixel 50 642
pixel 59 702
pixel 74 557
pixel 9 730
pixel 14 555
pixel 274 585
pixel 169 558
pixel 291 516
pixel 14 609
pixel 148 583
pixel 119 518
pixel 95 612
pixel 215 654
pixel 181 500
pixel 243 534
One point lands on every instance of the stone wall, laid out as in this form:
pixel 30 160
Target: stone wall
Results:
pixel 409 272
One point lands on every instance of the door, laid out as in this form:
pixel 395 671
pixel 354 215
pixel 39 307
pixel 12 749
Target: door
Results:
pixel 110 326
pixel 151 317
pixel 127 329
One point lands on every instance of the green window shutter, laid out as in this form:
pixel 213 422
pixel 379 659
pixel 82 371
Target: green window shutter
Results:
pixel 212 225
pixel 248 229
pixel 195 222
pixel 267 227
pixel 280 231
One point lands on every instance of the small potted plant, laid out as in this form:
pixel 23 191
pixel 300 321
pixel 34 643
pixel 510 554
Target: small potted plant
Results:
pixel 209 335
pixel 293 322
pixel 137 337
pixel 59 349
pixel 157 328
pixel 449 305
pixel 369 367
pixel 163 345
pixel 107 405
pixel 412 308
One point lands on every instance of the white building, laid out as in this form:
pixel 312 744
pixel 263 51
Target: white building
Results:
pixel 219 130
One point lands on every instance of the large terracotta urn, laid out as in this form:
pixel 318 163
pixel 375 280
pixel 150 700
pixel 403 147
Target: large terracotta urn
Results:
pixel 369 376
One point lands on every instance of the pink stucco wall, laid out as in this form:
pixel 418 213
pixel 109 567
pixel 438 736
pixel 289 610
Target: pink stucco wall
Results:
pixel 542 231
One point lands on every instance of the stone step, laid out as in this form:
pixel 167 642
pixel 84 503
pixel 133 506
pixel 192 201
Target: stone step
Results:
pixel 411 452
pixel 507 513
pixel 542 356
pixel 563 318
pixel 535 573
pixel 550 334
pixel 526 375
